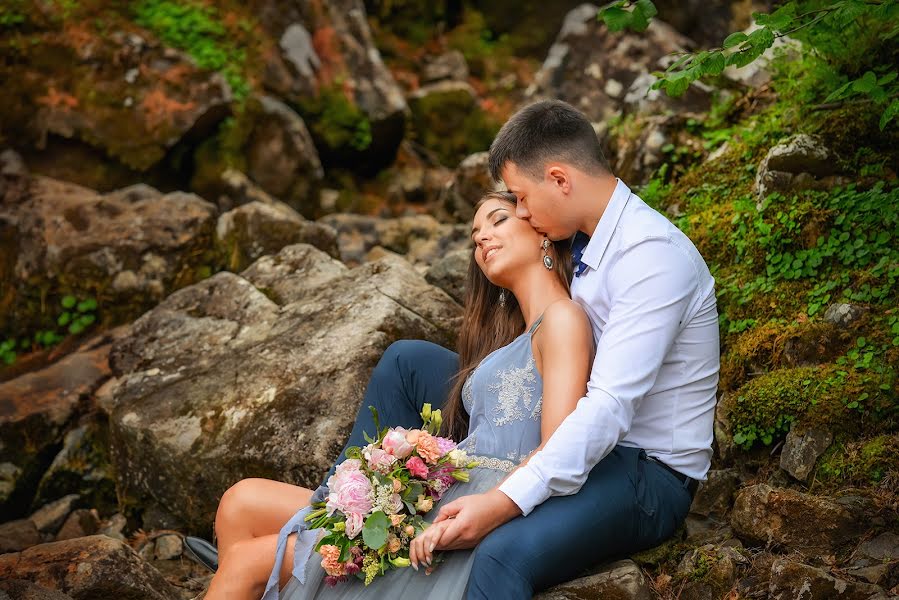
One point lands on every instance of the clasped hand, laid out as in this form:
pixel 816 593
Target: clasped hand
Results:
pixel 461 524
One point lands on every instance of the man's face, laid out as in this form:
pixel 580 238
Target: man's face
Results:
pixel 541 202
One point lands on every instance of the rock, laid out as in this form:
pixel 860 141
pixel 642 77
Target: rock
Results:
pixel 595 70
pixel 449 65
pixel 709 22
pixel 801 450
pixel 113 527
pixel 125 249
pixel 448 120
pixel 81 522
pixel 715 495
pixel 168 547
pixel 36 410
pixel 331 70
pixel 706 530
pixel 450 272
pixel 622 579
pixel 236 189
pixel 709 572
pixel 637 159
pixel 252 230
pixel 89 567
pixel 82 467
pixel 421 238
pixel 800 162
pixel 18 535
pixel 135 122
pixel 19 589
pixel 790 579
pixel 877 560
pixel 263 385
pixel 281 156
pixel 49 518
pixel 843 315
pixel 470 182
pixel 796 521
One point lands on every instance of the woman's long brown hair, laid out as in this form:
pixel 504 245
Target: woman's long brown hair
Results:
pixel 487 325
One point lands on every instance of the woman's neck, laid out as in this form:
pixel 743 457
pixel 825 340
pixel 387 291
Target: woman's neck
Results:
pixel 535 289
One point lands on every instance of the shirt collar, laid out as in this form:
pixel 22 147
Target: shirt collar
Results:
pixel 599 241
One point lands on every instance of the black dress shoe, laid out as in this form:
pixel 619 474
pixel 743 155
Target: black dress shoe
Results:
pixel 202 552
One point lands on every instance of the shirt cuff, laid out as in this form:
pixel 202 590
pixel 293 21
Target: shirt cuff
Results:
pixel 525 489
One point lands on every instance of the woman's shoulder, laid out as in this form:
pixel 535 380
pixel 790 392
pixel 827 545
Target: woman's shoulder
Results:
pixel 565 318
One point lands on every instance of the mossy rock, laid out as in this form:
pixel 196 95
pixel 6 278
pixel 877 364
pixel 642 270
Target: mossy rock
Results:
pixel 448 120
pixel 853 462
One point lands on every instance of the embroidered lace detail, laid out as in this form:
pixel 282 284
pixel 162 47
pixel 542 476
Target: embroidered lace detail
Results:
pixel 497 464
pixel 514 392
pixel 466 394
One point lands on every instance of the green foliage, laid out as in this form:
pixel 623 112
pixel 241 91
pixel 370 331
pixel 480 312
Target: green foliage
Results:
pixel 627 14
pixel 198 30
pixel 12 14
pixel 74 318
pixel 336 123
pixel 852 462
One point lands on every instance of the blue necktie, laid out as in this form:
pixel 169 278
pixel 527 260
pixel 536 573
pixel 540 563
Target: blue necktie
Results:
pixel 578 245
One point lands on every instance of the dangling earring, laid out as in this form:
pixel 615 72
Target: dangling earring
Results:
pixel 502 298
pixel 547 259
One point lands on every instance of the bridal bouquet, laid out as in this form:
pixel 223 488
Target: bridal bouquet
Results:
pixel 377 497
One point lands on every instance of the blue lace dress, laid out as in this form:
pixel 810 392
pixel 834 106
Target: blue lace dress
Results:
pixel 503 397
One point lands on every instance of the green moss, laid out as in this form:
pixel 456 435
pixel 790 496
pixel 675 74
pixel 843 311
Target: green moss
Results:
pixel 12 14
pixel 842 399
pixel 337 125
pixel 858 463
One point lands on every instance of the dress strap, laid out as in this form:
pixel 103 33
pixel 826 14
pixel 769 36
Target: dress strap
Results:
pixel 535 325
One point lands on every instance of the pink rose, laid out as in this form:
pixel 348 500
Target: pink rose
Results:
pixel 351 494
pixel 354 523
pixel 395 443
pixel 417 467
pixel 380 461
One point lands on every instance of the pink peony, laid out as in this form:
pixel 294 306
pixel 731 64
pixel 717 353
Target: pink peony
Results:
pixel 427 448
pixel 445 444
pixel 417 467
pixel 354 523
pixel 380 461
pixel 349 491
pixel 395 443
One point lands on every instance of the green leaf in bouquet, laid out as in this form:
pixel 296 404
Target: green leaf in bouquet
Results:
pixel 374 532
pixel 413 491
pixel 374 416
pixel 344 550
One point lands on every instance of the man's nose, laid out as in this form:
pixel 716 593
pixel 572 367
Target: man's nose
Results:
pixel 521 212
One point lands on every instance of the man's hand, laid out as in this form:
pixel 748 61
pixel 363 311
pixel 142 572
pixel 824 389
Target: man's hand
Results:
pixel 470 518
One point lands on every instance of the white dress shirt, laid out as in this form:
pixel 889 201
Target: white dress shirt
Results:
pixel 651 302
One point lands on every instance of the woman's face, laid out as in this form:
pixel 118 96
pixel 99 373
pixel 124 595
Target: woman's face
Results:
pixel 503 242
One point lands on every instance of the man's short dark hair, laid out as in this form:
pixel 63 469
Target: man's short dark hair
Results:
pixel 546 131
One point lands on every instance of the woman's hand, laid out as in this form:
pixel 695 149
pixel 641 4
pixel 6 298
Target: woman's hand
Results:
pixel 421 549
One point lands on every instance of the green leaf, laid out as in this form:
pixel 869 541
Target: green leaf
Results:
pixel 838 93
pixel 889 114
pixel 715 64
pixel 87 305
pixel 866 83
pixel 887 78
pixel 374 532
pixel 647 8
pixel 68 301
pixel 615 18
pixel 76 328
pixel 639 21
pixel 64 319
pixel 86 320
pixel 733 39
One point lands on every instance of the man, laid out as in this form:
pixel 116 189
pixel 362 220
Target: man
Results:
pixel 619 473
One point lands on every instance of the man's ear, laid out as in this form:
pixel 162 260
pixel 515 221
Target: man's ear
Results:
pixel 559 177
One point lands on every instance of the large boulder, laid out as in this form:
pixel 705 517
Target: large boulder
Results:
pixel 621 579
pixel 126 249
pixel 258 375
pixel 259 228
pixel 124 94
pixel 603 73
pixel 791 579
pixel 329 68
pixel 786 518
pixel 471 180
pixel 89 567
pixel 800 162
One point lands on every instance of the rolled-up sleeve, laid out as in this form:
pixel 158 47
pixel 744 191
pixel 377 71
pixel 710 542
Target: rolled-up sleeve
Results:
pixel 652 287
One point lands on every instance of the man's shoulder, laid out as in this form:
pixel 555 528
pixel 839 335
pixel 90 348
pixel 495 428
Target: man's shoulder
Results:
pixel 640 223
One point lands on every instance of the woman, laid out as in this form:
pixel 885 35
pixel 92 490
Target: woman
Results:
pixel 524 353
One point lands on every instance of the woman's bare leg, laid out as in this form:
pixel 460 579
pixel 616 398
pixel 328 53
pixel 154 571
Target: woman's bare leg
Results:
pixel 245 569
pixel 253 508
